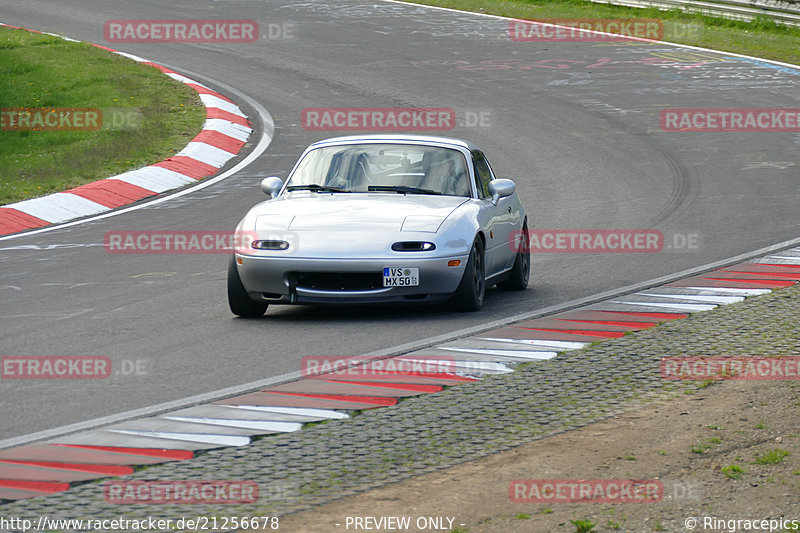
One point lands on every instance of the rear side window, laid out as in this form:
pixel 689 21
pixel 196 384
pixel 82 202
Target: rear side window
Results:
pixel 483 173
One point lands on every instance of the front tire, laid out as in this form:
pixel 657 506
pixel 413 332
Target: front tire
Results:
pixel 238 300
pixel 470 292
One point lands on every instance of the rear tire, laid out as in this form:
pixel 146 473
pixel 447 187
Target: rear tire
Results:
pixel 521 271
pixel 238 300
pixel 470 292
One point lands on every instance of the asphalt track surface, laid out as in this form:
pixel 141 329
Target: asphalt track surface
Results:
pixel 575 124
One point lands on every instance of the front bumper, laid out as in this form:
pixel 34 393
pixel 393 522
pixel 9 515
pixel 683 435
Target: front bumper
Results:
pixel 274 279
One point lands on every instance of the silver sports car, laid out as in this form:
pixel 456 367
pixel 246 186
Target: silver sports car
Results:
pixel 381 219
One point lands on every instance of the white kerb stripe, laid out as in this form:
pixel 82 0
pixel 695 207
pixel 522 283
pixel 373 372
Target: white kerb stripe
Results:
pixel 156 179
pixel 791 259
pixel 521 354
pixel 481 366
pixel 59 36
pixel 222 440
pixel 489 366
pixel 59 207
pixel 209 100
pixel 724 290
pixel 299 411
pixel 678 307
pixel 184 79
pixel 270 426
pixel 565 345
pixel 697 297
pixel 226 127
pixel 131 56
pixel 205 153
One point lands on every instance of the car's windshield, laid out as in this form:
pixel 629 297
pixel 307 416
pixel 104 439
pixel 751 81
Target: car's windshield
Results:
pixel 384 168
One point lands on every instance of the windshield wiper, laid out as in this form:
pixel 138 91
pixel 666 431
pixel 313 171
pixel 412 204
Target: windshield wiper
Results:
pixel 315 187
pixel 404 189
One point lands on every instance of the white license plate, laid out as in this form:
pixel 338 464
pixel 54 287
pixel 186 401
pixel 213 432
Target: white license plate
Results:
pixel 400 276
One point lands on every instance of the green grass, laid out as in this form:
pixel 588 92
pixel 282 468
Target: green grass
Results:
pixel 704 447
pixel 701 448
pixel 760 37
pixel 771 457
pixel 43 71
pixel 732 471
pixel 582 526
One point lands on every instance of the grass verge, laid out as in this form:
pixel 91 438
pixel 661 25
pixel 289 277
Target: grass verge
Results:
pixel 147 116
pixel 761 37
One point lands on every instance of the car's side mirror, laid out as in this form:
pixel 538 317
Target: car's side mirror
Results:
pixel 500 188
pixel 271 186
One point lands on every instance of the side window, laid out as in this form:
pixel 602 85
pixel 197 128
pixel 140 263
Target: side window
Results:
pixel 483 173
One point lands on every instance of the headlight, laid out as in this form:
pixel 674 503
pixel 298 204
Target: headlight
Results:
pixel 413 246
pixel 270 245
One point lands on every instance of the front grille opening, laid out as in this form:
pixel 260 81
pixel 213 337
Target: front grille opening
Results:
pixel 415 297
pixel 338 281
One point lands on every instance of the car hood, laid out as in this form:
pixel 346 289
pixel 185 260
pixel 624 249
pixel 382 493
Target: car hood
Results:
pixel 389 212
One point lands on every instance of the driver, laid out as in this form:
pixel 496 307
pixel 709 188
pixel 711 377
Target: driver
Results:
pixel 443 177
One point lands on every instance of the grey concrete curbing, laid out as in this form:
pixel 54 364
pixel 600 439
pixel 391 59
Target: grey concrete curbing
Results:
pixel 335 459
